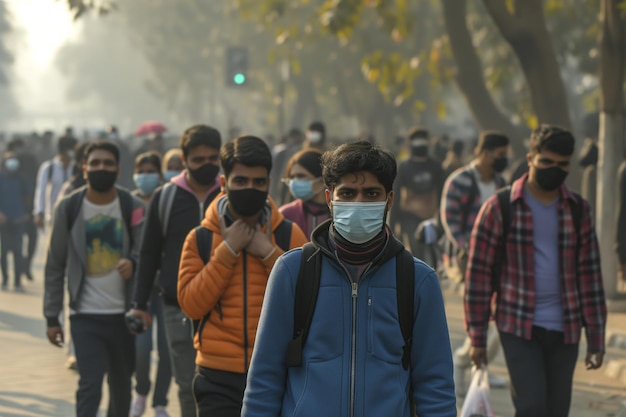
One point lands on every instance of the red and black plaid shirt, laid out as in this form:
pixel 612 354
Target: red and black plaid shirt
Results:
pixel 582 292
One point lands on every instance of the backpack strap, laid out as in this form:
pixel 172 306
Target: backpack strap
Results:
pixel 282 234
pixel 471 196
pixel 126 206
pixel 204 240
pixel 405 293
pixel 305 299
pixel 166 201
pixel 504 201
pixel 50 170
pixel 73 206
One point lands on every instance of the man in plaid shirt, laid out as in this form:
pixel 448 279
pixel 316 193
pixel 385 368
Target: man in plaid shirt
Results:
pixel 550 286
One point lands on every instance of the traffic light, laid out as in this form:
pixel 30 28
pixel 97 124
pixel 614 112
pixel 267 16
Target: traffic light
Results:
pixel 236 66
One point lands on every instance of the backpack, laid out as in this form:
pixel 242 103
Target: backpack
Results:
pixel 204 242
pixel 166 201
pixel 504 201
pixel 126 207
pixel 307 289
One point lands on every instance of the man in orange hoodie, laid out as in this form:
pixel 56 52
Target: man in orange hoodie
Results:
pixel 243 237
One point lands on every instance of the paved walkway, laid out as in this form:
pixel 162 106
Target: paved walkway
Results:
pixel 35 383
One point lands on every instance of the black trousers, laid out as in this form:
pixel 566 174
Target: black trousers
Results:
pixel 541 371
pixel 103 344
pixel 218 393
pixel 11 241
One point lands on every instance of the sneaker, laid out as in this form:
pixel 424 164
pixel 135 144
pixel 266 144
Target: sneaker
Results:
pixel 159 411
pixel 5 286
pixel 138 406
pixel 460 385
pixel 19 288
pixel 497 382
pixel 70 363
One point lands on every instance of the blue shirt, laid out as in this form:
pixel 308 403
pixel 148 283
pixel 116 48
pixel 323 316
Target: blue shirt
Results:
pixel 548 308
pixel 12 197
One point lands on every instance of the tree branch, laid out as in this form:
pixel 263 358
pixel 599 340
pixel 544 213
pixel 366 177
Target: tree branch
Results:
pixel 507 23
pixel 469 75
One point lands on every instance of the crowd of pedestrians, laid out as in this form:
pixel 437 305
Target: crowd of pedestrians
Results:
pixel 201 250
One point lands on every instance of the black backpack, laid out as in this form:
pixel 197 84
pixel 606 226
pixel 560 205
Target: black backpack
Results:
pixel 204 241
pixel 307 289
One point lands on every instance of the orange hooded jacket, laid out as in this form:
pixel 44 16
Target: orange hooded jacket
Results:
pixel 229 287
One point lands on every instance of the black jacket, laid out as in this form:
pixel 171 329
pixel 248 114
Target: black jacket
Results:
pixel 162 253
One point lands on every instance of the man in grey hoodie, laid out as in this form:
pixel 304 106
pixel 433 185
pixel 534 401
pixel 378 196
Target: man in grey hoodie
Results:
pixel 94 241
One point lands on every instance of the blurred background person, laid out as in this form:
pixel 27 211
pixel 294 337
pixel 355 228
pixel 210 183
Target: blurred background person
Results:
pixel 14 195
pixel 148 178
pixel 172 164
pixel 303 177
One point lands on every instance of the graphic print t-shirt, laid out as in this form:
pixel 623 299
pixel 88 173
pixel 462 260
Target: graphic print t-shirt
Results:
pixel 103 291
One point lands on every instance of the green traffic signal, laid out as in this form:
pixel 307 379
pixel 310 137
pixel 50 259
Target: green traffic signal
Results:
pixel 239 78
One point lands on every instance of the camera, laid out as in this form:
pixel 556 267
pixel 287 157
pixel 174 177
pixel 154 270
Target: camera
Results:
pixel 134 324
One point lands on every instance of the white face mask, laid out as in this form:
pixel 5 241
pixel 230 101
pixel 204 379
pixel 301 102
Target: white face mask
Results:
pixel 314 136
pixel 359 222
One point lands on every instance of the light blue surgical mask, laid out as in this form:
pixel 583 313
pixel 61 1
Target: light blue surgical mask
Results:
pixel 147 182
pixel 302 189
pixel 12 164
pixel 358 222
pixel 169 174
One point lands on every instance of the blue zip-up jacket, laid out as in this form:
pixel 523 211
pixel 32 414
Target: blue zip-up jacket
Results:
pixel 352 358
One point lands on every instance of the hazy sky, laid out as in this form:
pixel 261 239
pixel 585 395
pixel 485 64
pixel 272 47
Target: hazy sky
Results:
pixel 44 26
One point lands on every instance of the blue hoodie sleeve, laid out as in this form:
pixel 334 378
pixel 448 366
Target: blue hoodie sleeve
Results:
pixel 431 354
pixel 267 375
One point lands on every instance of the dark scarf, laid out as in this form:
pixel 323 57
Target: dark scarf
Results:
pixel 360 254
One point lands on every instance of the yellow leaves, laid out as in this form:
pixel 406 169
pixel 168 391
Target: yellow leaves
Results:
pixel 393 75
pixel 441 109
pixel 510 6
pixel 531 121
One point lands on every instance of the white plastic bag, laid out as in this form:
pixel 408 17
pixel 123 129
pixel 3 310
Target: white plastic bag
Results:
pixel 477 399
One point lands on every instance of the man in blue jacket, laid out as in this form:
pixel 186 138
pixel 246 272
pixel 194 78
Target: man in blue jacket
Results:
pixel 352 357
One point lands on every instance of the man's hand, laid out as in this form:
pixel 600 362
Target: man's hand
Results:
pixel 238 235
pixel 38 220
pixel 144 316
pixel 3 218
pixel 55 335
pixel 478 356
pixel 594 360
pixel 125 268
pixel 261 243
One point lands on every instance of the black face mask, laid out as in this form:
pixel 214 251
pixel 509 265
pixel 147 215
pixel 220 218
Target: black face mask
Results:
pixel 247 202
pixel 101 180
pixel 419 151
pixel 500 164
pixel 205 174
pixel 550 178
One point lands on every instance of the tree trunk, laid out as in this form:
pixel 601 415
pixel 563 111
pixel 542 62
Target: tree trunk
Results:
pixel 469 75
pixel 611 137
pixel 528 35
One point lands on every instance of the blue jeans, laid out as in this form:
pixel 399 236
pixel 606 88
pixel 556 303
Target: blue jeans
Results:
pixel 180 339
pixel 103 346
pixel 144 355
